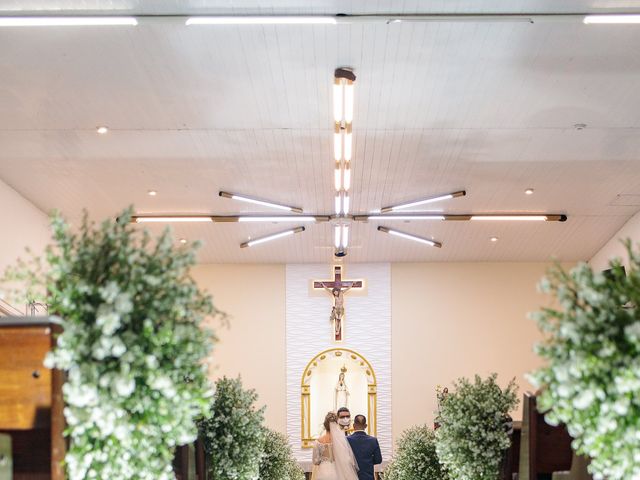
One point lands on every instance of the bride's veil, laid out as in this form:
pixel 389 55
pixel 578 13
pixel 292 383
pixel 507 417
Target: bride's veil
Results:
pixel 343 455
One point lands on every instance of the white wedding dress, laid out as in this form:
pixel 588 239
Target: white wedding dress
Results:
pixel 335 460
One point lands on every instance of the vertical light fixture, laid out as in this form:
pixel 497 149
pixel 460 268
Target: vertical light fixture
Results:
pixel 343 93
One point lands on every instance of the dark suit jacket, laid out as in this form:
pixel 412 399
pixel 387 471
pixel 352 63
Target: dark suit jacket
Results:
pixel 366 449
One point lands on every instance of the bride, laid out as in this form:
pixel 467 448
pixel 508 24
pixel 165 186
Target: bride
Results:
pixel 332 455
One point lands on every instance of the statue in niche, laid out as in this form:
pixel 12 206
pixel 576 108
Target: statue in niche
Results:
pixel 341 391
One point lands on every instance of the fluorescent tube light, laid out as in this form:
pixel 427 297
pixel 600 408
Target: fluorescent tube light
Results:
pixel 338 100
pixel 348 102
pixel 264 203
pixel 521 218
pixel 79 21
pixel 408 236
pixel 416 203
pixel 347 178
pixel 405 217
pixel 612 19
pixel 337 177
pixel 282 218
pixel 337 143
pixel 337 204
pixel 345 236
pixel 348 143
pixel 185 218
pixel 345 203
pixel 268 238
pixel 261 20
pixel 337 231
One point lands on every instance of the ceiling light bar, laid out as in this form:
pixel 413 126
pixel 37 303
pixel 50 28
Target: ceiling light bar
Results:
pixel 264 203
pixel 460 193
pixel 341 236
pixel 262 20
pixel 408 236
pixel 464 217
pixel 612 19
pixel 171 219
pixel 345 236
pixel 268 238
pixel 278 218
pixel 78 21
pixel 364 218
pixel 508 218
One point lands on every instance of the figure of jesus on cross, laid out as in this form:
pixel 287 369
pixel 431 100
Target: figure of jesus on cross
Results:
pixel 337 288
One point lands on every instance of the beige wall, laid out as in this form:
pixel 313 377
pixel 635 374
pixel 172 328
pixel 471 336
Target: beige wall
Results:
pixel 22 225
pixel 459 319
pixel 254 343
pixel 614 248
pixel 449 320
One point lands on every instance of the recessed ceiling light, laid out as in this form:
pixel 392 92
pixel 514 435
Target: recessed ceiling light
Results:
pixel 580 126
pixel 528 191
pixel 102 130
pixel 152 193
pixel 183 241
pixel 493 239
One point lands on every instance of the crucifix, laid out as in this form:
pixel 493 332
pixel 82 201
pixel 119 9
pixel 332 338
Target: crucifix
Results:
pixel 337 288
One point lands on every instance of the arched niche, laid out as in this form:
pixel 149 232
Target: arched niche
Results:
pixel 318 390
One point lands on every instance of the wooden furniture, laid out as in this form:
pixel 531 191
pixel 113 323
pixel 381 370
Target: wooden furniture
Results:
pixel 31 398
pixel 190 462
pixel 544 449
pixel 511 461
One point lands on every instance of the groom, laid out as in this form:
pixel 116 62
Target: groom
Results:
pixel 365 448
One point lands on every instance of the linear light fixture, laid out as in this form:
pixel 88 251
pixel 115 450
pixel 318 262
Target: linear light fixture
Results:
pixel 612 19
pixel 464 217
pixel 341 236
pixel 78 21
pixel 408 236
pixel 460 193
pixel 278 218
pixel 268 238
pixel 398 217
pixel 262 20
pixel 170 219
pixel 509 218
pixel 264 203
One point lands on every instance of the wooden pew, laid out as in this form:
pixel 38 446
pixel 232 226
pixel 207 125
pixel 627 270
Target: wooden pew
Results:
pixel 31 398
pixel 544 449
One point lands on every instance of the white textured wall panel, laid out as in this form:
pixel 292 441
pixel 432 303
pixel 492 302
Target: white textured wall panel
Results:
pixel 367 330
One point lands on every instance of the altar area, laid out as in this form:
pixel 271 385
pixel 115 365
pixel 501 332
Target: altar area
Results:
pixel 324 374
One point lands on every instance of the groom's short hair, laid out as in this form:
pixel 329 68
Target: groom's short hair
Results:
pixel 360 421
pixel 343 409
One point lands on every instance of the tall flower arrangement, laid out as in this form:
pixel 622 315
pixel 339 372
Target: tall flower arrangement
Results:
pixel 277 461
pixel 233 435
pixel 132 346
pixel 473 436
pixel 416 457
pixel 591 381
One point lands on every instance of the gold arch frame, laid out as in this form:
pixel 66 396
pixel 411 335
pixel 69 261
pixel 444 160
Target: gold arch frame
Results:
pixel 305 397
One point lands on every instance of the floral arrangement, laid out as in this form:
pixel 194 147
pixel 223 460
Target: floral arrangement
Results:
pixel 591 381
pixel 233 435
pixel 416 457
pixel 277 461
pixel 132 345
pixel 473 433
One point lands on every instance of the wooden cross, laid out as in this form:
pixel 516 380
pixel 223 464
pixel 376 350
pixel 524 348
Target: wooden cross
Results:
pixel 337 288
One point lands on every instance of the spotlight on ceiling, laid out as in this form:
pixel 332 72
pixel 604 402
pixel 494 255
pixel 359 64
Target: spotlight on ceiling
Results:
pixel 102 130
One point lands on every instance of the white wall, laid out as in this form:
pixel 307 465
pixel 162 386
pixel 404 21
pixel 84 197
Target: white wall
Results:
pixel 22 225
pixel 614 248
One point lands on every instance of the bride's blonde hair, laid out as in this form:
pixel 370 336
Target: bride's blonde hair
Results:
pixel 329 419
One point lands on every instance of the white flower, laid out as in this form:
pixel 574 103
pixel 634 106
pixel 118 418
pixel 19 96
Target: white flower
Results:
pixel 584 400
pixel 124 386
pixel 633 331
pixel 109 292
pixel 123 304
pixel 109 322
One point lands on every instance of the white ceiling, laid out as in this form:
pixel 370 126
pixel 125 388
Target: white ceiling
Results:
pixel 486 107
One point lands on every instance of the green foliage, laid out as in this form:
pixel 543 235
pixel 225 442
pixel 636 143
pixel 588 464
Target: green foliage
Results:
pixel 591 381
pixel 277 461
pixel 416 457
pixel 233 435
pixel 132 345
pixel 472 438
